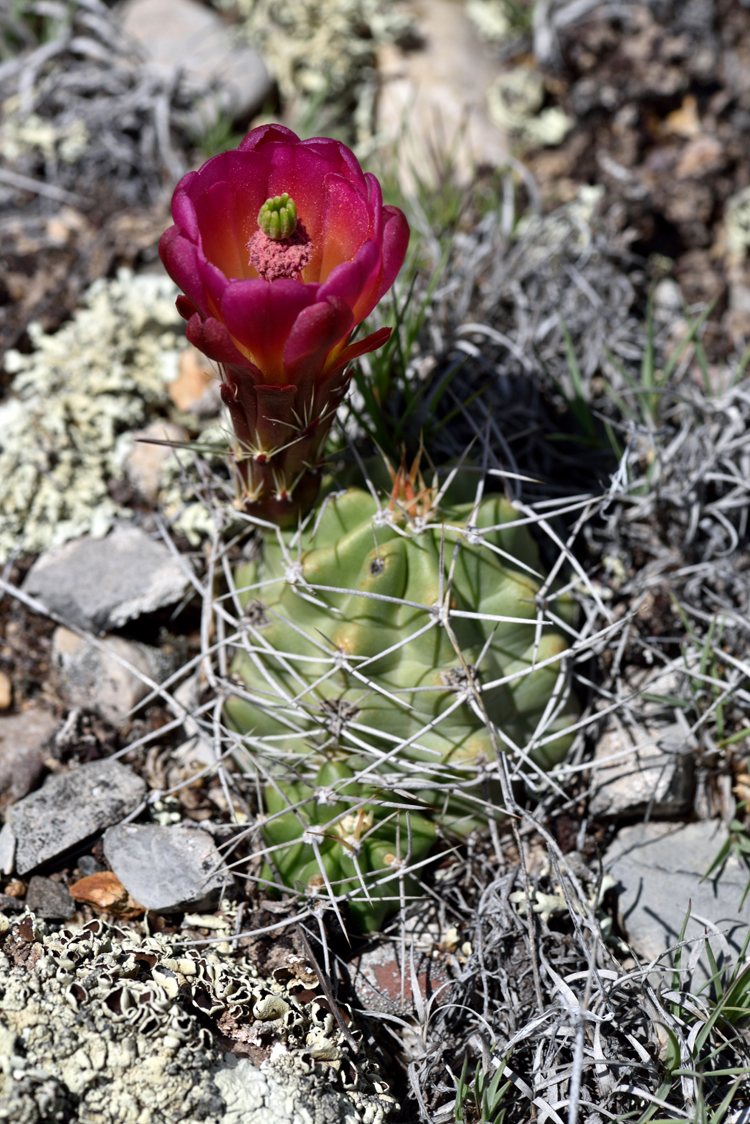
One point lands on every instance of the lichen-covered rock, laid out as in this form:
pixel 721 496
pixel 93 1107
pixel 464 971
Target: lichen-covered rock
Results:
pixel 100 1024
pixel 71 398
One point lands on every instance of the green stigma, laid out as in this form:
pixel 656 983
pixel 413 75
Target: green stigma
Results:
pixel 277 218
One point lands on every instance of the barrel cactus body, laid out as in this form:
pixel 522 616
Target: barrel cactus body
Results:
pixel 345 838
pixel 402 640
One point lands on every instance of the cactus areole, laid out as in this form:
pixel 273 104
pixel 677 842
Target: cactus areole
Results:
pixel 282 247
pixel 401 645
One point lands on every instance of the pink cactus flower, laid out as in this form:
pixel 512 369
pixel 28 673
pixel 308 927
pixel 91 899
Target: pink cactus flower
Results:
pixel 282 247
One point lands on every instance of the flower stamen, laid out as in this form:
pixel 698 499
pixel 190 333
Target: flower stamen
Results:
pixel 281 247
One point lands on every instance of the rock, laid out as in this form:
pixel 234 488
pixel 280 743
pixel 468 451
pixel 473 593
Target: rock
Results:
pixel 22 740
pixel 184 35
pixel 380 984
pixel 9 904
pixel 433 99
pixel 196 390
pixel 656 772
pixel 49 899
pixel 69 808
pixel 6 691
pixel 100 584
pixel 660 867
pixel 92 676
pixel 7 849
pixel 653 767
pixel 144 464
pixel 167 869
pixel 197 752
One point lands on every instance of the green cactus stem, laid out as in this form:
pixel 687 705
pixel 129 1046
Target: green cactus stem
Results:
pixel 405 643
pixel 363 841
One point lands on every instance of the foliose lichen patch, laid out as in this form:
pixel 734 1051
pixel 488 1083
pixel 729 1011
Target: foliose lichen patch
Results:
pixel 323 50
pixel 103 1026
pixel 82 387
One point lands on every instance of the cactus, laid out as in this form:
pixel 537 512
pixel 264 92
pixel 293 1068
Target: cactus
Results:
pixel 402 640
pixel 343 836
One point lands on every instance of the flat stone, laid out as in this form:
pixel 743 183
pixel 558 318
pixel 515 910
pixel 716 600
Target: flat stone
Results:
pixel 382 983
pixel 7 849
pixel 93 676
pixel 10 904
pixel 49 899
pixel 433 98
pixel 660 867
pixel 71 807
pixel 649 768
pixel 167 869
pixel 100 584
pixel 187 36
pixel 644 759
pixel 145 463
pixel 22 740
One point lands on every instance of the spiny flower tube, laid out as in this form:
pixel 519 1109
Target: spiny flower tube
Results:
pixel 282 247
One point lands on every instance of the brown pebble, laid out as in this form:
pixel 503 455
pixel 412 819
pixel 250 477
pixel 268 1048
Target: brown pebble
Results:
pixel 6 691
pixel 16 888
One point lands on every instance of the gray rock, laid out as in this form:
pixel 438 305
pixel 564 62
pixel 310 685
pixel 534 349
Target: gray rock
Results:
pixel 22 739
pixel 184 35
pixel 279 1094
pixel 49 899
pixel 94 676
pixel 644 760
pixel 71 807
pixel 11 905
pixel 7 849
pixel 100 584
pixel 656 772
pixel 660 867
pixel 167 869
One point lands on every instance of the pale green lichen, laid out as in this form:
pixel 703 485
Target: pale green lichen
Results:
pixel 99 1024
pixel 323 51
pixel 491 19
pixel 101 374
pixel 737 223
pixel 514 102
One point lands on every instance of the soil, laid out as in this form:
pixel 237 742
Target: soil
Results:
pixel 660 98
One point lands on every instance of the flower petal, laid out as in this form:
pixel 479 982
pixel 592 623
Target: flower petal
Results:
pixel 185 307
pixel 220 234
pixel 345 226
pixel 301 172
pixel 375 204
pixel 260 315
pixel 361 347
pixel 318 332
pixel 183 209
pixel 180 258
pixel 342 158
pixel 212 338
pixel 265 134
pixel 356 281
pixel 395 243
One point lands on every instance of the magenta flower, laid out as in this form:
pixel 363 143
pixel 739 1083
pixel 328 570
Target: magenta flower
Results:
pixel 275 305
